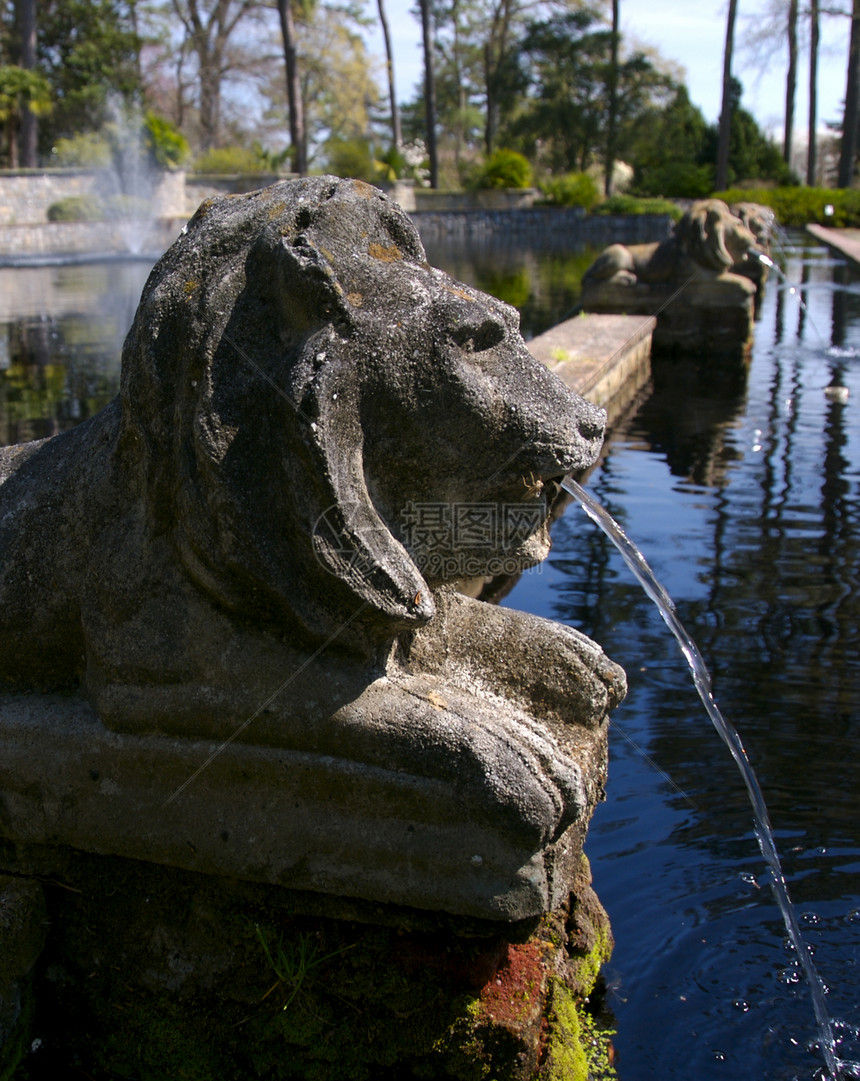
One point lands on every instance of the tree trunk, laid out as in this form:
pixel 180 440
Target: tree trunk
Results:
pixel 812 160
pixel 790 82
pixel 429 93
pixel 722 175
pixel 209 101
pixel 851 115
pixel 295 102
pixel 613 103
pixel 28 129
pixel 396 133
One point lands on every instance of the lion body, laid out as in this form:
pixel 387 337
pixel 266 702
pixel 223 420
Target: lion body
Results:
pixel 229 550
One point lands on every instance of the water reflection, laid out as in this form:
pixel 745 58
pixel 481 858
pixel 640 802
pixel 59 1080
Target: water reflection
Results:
pixel 61 334
pixel 747 505
pixel 543 283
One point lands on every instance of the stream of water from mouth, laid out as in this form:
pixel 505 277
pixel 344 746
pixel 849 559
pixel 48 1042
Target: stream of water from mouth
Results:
pixel 637 564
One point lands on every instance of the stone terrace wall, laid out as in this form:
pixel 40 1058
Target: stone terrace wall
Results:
pixel 558 226
pixel 26 194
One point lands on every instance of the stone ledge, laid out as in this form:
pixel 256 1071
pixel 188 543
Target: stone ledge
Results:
pixel 598 356
pixel 289 818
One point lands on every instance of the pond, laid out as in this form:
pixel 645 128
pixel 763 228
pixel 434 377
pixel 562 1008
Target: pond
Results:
pixel 746 501
pixel 744 494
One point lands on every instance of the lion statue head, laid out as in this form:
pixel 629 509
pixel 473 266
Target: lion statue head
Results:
pixel 707 240
pixel 712 237
pixel 297 375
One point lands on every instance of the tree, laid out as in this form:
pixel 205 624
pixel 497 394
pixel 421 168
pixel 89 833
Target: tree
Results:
pixel 612 118
pixel 429 92
pixel 396 133
pixel 563 115
pixel 208 26
pixel 20 89
pixel 790 81
pixel 751 155
pixel 812 158
pixel 295 104
pixel 851 114
pixel 26 13
pixel 721 178
pixel 687 172
pixel 87 51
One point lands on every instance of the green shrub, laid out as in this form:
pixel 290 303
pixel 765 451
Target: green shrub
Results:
pixel 679 180
pixel 802 206
pixel 630 204
pixel 228 160
pixel 350 158
pixel 168 147
pixel 89 150
pixel 505 169
pixel 76 208
pixel 572 189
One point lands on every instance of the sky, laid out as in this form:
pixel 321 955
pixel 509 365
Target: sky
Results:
pixel 692 33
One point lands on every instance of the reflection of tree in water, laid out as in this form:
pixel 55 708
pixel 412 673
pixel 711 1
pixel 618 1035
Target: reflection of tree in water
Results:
pixel 55 374
pixel 542 282
pixel 687 416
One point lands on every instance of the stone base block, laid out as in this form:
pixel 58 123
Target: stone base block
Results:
pixel 154 972
pixel 289 818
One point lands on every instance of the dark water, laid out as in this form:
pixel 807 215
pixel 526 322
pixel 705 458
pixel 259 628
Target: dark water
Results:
pixel 744 495
pixel 746 503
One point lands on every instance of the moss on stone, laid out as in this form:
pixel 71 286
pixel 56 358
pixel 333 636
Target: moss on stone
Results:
pixel 578 1048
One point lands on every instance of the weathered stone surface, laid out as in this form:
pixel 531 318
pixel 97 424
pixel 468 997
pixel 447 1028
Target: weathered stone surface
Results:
pixel 154 972
pixel 23 930
pixel 692 282
pixel 238 575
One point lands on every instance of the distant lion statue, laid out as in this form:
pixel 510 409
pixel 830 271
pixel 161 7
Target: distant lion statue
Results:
pixel 317 435
pixel 696 282
pixel 707 242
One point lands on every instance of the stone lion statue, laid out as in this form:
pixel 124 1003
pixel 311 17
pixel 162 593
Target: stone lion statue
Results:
pixel 707 242
pixel 695 281
pixel 317 435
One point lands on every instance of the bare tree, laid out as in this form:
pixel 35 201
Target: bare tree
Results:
pixel 208 26
pixel 790 82
pixel 722 174
pixel 295 103
pixel 495 57
pixel 396 134
pixel 851 115
pixel 429 92
pixel 613 102
pixel 814 34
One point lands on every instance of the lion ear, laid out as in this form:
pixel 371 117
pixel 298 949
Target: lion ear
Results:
pixel 716 229
pixel 353 543
pixel 350 538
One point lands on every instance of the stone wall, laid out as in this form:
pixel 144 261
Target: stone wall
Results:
pixel 26 194
pixel 50 241
pixel 563 226
pixel 26 234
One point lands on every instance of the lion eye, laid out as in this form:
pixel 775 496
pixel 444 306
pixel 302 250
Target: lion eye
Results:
pixel 476 337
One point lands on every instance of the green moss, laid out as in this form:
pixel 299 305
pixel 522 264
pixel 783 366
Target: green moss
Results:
pixel 578 1048
pixel 588 965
